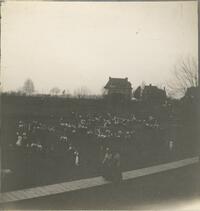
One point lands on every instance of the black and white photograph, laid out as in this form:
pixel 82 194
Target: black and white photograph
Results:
pixel 99 105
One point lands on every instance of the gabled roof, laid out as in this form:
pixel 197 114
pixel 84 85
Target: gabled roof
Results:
pixel 192 91
pixel 118 83
pixel 153 90
pixel 150 88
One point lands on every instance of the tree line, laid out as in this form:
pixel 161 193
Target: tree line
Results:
pixel 184 76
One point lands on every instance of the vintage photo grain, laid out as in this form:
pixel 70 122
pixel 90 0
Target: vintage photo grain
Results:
pixel 99 105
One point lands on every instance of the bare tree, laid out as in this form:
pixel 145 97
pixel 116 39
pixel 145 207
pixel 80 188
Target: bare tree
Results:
pixel 55 91
pixel 138 92
pixel 82 92
pixel 28 87
pixel 103 92
pixel 143 84
pixel 67 93
pixel 185 75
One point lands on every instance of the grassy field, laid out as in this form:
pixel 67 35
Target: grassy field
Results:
pixel 33 169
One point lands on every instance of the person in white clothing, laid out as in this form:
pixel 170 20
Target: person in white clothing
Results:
pixel 171 145
pixel 77 161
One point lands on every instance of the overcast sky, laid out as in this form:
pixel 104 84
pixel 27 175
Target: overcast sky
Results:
pixel 70 45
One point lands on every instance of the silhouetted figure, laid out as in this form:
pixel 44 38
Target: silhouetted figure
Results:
pixel 112 166
pixel 107 165
pixel 116 168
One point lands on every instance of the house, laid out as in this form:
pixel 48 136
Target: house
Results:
pixel 153 94
pixel 118 87
pixel 192 93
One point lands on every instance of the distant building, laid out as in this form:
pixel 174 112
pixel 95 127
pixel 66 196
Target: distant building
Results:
pixel 192 92
pixel 118 87
pixel 153 94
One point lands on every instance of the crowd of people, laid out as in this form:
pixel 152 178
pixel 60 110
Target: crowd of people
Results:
pixel 75 130
pixel 105 142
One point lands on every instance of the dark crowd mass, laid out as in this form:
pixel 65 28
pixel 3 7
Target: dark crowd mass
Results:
pixel 85 144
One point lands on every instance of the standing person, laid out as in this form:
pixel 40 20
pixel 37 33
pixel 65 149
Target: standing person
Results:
pixel 75 170
pixel 77 159
pixel 71 157
pixel 19 141
pixel 107 164
pixel 171 145
pixel 116 167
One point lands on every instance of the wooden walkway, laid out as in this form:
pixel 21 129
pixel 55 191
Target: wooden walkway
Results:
pixel 89 182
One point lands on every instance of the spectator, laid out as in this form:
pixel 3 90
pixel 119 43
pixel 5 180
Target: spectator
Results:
pixel 107 164
pixel 77 161
pixel 171 145
pixel 116 167
pixel 19 141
